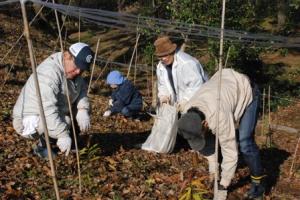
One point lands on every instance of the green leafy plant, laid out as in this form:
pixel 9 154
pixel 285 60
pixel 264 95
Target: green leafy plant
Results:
pixel 194 191
pixel 90 153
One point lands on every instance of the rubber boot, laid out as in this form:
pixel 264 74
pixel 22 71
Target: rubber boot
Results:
pixel 257 189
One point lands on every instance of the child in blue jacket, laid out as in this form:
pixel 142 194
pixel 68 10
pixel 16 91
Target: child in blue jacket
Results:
pixel 125 98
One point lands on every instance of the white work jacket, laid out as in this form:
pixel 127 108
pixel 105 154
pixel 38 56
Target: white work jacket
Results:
pixel 188 76
pixel 51 81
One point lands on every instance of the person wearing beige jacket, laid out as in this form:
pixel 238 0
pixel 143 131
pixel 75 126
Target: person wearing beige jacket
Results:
pixel 238 106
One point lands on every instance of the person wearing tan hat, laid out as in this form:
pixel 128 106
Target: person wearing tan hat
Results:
pixel 179 75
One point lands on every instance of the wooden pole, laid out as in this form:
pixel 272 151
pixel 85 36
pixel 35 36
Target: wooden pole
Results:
pixel 152 70
pixel 227 56
pixel 153 86
pixel 263 113
pixel 8 52
pixel 95 58
pixel 269 140
pixel 136 57
pixel 294 159
pixel 147 75
pixel 269 106
pixel 64 21
pixel 133 53
pixel 69 101
pixel 219 98
pixel 38 92
pixel 106 64
pixel 79 27
pixel 65 38
pixel 11 67
pixel 136 54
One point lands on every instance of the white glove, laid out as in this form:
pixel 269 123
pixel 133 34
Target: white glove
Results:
pixel 180 105
pixel 164 99
pixel 30 126
pixel 107 113
pixel 64 144
pixel 83 120
pixel 221 194
pixel 110 102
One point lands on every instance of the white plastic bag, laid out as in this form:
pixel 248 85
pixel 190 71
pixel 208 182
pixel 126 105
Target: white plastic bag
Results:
pixel 164 131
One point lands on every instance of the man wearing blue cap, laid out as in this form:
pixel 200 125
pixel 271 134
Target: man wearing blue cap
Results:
pixel 52 74
pixel 125 98
pixel 239 102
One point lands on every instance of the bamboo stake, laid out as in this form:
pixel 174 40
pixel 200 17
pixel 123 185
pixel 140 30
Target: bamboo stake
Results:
pixel 69 101
pixel 153 88
pixel 152 70
pixel 100 74
pixel 63 24
pixel 79 27
pixel 219 99
pixel 263 113
pixel 148 87
pixel 11 67
pixel 136 56
pixel 136 42
pixel 294 159
pixel 42 114
pixel 227 57
pixel 65 38
pixel 8 52
pixel 95 58
pixel 269 106
pixel 269 141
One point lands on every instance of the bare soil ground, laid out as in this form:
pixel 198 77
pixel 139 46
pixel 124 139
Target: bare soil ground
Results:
pixel 110 165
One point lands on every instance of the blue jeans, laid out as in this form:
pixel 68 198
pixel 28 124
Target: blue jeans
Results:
pixel 247 143
pixel 128 112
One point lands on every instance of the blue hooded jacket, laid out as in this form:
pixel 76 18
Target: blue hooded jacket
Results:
pixel 126 95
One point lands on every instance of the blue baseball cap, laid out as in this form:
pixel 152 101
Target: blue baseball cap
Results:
pixel 83 55
pixel 115 77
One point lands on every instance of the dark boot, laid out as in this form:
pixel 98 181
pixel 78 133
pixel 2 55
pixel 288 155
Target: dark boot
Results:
pixel 41 149
pixel 257 189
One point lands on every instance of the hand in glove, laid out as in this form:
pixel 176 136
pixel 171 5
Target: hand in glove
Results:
pixel 110 102
pixel 107 113
pixel 221 194
pixel 164 99
pixel 83 120
pixel 180 105
pixel 64 144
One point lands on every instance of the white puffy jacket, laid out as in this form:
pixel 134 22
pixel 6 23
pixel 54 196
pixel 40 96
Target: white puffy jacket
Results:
pixel 188 76
pixel 51 81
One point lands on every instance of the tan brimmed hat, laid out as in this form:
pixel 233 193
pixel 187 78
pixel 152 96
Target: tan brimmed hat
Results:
pixel 164 46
